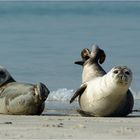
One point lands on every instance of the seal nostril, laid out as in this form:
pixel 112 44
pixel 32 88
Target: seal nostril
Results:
pixel 127 73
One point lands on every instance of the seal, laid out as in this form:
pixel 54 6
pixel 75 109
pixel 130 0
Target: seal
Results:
pixel 91 63
pixel 21 98
pixel 106 95
pixel 91 70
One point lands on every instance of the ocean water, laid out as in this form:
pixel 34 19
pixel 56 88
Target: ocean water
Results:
pixel 39 42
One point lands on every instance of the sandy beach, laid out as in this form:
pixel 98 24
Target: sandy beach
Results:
pixel 68 127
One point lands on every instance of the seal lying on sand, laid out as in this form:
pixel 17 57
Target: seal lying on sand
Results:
pixel 21 98
pixel 103 94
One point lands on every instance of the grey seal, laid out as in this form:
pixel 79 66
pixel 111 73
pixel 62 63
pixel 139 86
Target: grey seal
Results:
pixel 21 98
pixel 95 87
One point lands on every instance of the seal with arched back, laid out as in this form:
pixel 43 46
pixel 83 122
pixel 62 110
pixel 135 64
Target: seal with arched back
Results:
pixel 91 61
pixel 101 94
pixel 21 98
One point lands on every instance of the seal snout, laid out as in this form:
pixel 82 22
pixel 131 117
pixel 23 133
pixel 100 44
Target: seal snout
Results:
pixel 123 78
pixel 43 91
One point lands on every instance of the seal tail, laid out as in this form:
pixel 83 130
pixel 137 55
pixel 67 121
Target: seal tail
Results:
pixel 43 91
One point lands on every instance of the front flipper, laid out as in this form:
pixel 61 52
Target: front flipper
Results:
pixel 79 62
pixel 78 92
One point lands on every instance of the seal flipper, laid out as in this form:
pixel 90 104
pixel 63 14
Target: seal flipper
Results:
pixel 85 54
pixel 43 91
pixel 79 62
pixel 78 92
pixel 102 56
pixel 98 55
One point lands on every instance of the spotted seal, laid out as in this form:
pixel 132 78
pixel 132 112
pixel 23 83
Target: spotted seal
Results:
pixel 101 94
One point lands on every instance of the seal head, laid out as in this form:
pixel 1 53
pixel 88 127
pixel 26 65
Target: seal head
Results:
pixel 5 76
pixel 121 75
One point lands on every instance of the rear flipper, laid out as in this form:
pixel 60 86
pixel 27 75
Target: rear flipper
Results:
pixel 43 91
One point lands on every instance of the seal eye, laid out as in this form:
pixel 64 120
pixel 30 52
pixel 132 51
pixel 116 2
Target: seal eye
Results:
pixel 116 71
pixel 127 73
pixel 2 74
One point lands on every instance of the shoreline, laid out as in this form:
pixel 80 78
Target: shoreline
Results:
pixel 68 127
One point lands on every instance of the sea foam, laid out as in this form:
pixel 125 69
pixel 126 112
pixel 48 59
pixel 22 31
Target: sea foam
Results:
pixel 62 94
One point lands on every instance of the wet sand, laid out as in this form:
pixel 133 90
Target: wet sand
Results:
pixel 68 127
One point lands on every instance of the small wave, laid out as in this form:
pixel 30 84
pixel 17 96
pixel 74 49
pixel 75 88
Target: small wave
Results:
pixel 62 94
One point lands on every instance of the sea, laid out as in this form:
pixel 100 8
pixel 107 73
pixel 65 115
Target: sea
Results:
pixel 40 40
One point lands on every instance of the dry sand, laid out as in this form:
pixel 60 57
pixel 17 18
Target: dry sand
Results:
pixel 68 127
